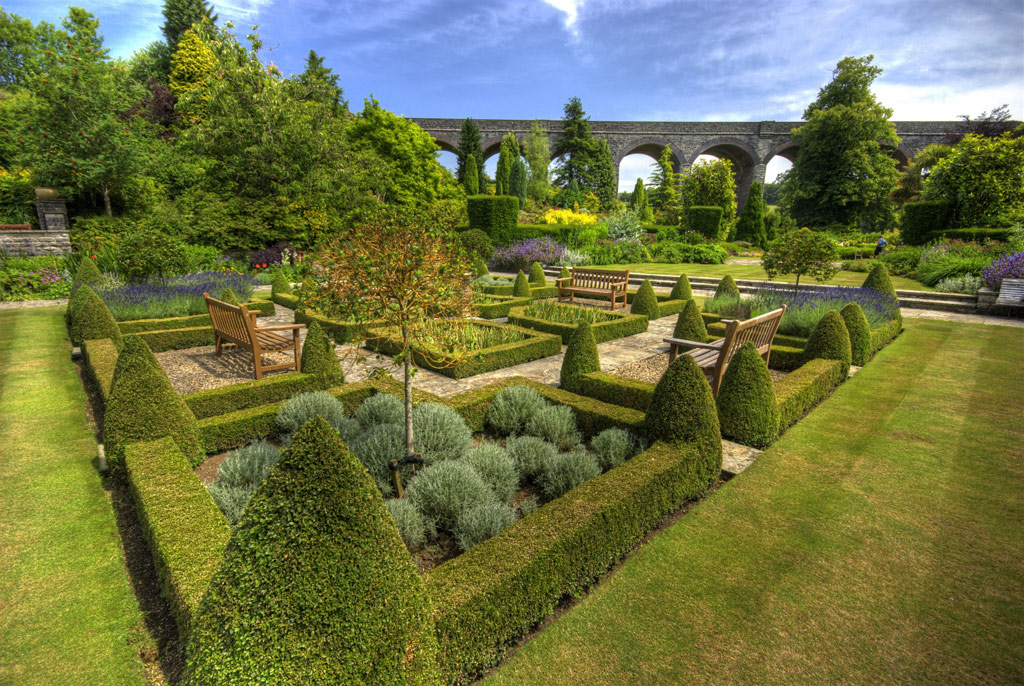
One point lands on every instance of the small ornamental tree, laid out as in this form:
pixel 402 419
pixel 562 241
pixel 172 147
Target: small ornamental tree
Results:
pixel 639 204
pixel 469 145
pixel 681 290
pixel 802 252
pixel 319 358
pixel 646 302
pixel 580 357
pixel 507 157
pixel 537 277
pixel 399 267
pixel 521 289
pixel 878 279
pixel 690 325
pixel 472 178
pixel 565 273
pixel 711 184
pixel 860 333
pixel 747 410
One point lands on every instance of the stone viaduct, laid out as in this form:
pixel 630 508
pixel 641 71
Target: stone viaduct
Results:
pixel 748 145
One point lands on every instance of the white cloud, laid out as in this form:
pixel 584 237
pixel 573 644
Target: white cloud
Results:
pixel 946 102
pixel 571 9
pixel 239 10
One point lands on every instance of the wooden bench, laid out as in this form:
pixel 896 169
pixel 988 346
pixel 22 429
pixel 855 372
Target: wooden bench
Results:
pixel 713 358
pixel 594 282
pixel 235 324
pixel 1011 293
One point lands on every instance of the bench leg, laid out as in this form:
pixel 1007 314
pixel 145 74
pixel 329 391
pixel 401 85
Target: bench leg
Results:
pixel 258 364
pixel 298 353
pixel 220 345
pixel 673 351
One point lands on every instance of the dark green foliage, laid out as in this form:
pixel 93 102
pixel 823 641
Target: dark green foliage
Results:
pixel 564 273
pixel 605 182
pixel 705 220
pixel 471 182
pixel 316 568
pixel 575 146
pixel 480 267
pixel 830 341
pixel 878 278
pixel 682 409
pixel 496 468
pixel 646 302
pixel 469 146
pixel 88 273
pixel 506 162
pixel 537 277
pixel 411 525
pixel 511 408
pixel 860 333
pixel 617 390
pixel 639 204
pixel 921 218
pixel 805 387
pixel 228 296
pixel 747 411
pixel 521 289
pixel 495 215
pixel 530 454
pixel 442 492
pixel 439 433
pixel 690 325
pixel 517 182
pixel 555 424
pixel 180 15
pixel 476 243
pixel 619 326
pixel 91 319
pixel 681 290
pixel 143 407
pixel 581 357
pixel 567 471
pixel 481 522
pixel 280 284
pixel 750 226
pixel 319 358
pixel 727 287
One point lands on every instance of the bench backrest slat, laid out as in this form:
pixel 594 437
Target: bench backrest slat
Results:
pixel 597 278
pixel 758 330
pixel 232 322
pixel 1011 292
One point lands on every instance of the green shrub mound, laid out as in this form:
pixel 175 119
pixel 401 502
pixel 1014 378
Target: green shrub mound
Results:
pixel 830 341
pixel 496 468
pixel 530 454
pixel 614 446
pixel 142 406
pixel 567 471
pixel 682 409
pixel 380 408
pixel 71 314
pixel 565 273
pixel 537 276
pixel 442 492
pixel 747 409
pixel 477 244
pixel 512 407
pixel 88 273
pixel 439 433
pixel 495 215
pixel 280 285
pixel 727 287
pixel 646 302
pixel 690 324
pixel 316 584
pixel 375 448
pixel 580 357
pixel 412 527
pixel 860 333
pixel 92 319
pixel 228 296
pixel 305 406
pixel 556 424
pixel 319 358
pixel 681 290
pixel 480 267
pixel 481 522
pixel 922 218
pixel 705 220
pixel 878 278
pixel 521 289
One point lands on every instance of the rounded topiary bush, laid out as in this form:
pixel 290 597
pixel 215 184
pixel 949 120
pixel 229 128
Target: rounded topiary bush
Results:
pixel 530 454
pixel 580 357
pixel 477 243
pixel 567 471
pixel 481 522
pixel 646 302
pixel 375 448
pixel 319 358
pixel 830 340
pixel 497 469
pixel 537 277
pixel 302 407
pixel 512 407
pixel 555 424
pixel 380 408
pixel 747 410
pixel 521 289
pixel 317 568
pixel 690 325
pixel 565 273
pixel 727 286
pixel 280 284
pixel 88 273
pixel 860 333
pixel 612 447
pixel 412 527
pixel 878 279
pixel 445 490
pixel 681 290
pixel 439 433
pixel 142 406
pixel 93 320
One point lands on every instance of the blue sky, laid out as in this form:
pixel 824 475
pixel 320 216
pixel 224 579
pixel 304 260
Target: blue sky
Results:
pixel 690 60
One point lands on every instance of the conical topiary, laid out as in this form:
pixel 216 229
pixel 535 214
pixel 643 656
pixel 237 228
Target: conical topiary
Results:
pixel 280 284
pixel 142 406
pixel 681 291
pixel 580 357
pixel 727 286
pixel 682 410
pixel 87 273
pixel 830 340
pixel 319 358
pixel 75 302
pixel 878 278
pixel 92 319
pixel 747 411
pixel 565 273
pixel 690 325
pixel 479 266
pixel 522 287
pixel 645 302
pixel 228 296
pixel 860 333
pixel 316 586
pixel 537 277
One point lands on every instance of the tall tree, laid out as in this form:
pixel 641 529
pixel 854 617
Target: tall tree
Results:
pixel 911 181
pixel 982 179
pixel 664 198
pixel 750 226
pixel 517 182
pixel 192 68
pixel 639 204
pixel 472 181
pixel 575 146
pixel 603 175
pixel 319 83
pixel 990 124
pixel 22 45
pixel 538 157
pixel 507 157
pixel 842 175
pixel 180 15
pixel 711 183
pixel 469 144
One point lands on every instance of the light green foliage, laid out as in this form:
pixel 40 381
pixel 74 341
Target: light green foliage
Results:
pixel 664 195
pixel 646 302
pixel 538 157
pixel 537 277
pixel 469 145
pixel 842 175
pixel 87 273
pixel 521 289
pixel 612 447
pixel 305 406
pixel 555 424
pixel 192 67
pixel 581 357
pixel 93 320
pixel 280 284
pixel 442 492
pixel 830 340
pixel 802 252
pixel 564 273
pixel 512 407
pixel 530 454
pixel 317 83
pixel 747 410
pixel 471 181
pixel 507 157
pixel 690 324
pixel 639 204
pixel 412 527
pixel 681 290
pixel 376 447
pixel 480 267
pixel 624 224
pixel 575 146
pixel 316 543
pixel 228 296
pixel 380 408
pixel 981 178
pixel 320 359
pixel 860 333
pixel 750 225
pixel 496 468
pixel 727 287
pixel 911 182
pixel 440 433
pixel 711 184
pixel 483 521
pixel 682 409
pixel 566 471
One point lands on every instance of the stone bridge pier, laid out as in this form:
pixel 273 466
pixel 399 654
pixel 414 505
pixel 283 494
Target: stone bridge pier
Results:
pixel 750 146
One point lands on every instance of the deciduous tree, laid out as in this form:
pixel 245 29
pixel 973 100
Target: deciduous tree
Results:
pixel 799 253
pixel 710 183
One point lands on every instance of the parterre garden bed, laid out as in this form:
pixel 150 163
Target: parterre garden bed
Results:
pixel 561 319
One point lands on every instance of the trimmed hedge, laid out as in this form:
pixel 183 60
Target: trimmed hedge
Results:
pixel 881 336
pixel 580 357
pixel 186 532
pixel 645 302
pixel 537 277
pixel 522 287
pixel 264 307
pixel 617 390
pixel 805 387
pixel 316 584
pixel 87 273
pixel 271 389
pixel 621 326
pixel 538 293
pixel 681 290
pixel 830 340
pixel 92 319
pixel 717 330
pixel 343 332
pixel 747 408
pixel 971 234
pixel 178 339
pixel 690 325
pixel 495 215
pixel 727 286
pixel 922 218
pixel 667 305
pixel 860 333
pixel 683 409
pixel 878 278
pixel 705 220
pixel 280 285
pixel 289 300
pixel 100 357
pixel 499 305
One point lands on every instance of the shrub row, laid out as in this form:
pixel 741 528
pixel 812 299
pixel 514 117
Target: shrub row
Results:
pixel 805 387
pixel 923 218
pixel 717 330
pixel 617 390
pixel 342 332
pixel 100 357
pixel 264 307
pixel 536 292
pixel 971 234
pixel 623 325
pixel 272 389
pixel 881 336
pixel 499 306
pixel 289 300
pixel 666 304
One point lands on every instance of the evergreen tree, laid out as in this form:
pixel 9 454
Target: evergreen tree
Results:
pixel 538 157
pixel 506 161
pixel 750 226
pixel 665 198
pixel 318 83
pixel 576 148
pixel 180 15
pixel 517 184
pixel 469 144
pixel 605 183
pixel 638 201
pixel 192 66
pixel 470 179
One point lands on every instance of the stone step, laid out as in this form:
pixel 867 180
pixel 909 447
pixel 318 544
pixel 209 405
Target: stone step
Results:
pixel 939 305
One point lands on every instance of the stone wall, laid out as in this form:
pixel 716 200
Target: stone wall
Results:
pixel 32 243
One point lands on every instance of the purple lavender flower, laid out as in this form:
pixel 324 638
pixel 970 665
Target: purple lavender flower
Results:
pixel 1009 266
pixel 522 254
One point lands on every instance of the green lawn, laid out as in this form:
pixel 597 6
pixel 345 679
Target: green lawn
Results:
pixel 879 541
pixel 67 613
pixel 755 272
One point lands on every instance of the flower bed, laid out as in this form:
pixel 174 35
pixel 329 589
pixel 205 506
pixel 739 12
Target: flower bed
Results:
pixel 560 319
pixel 179 296
pixel 495 306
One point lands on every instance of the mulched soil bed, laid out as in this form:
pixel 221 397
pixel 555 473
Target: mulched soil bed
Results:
pixel 651 369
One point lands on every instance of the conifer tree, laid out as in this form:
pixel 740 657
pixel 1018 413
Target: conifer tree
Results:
pixel 469 144
pixel 517 184
pixel 538 157
pixel 605 183
pixel 665 198
pixel 180 15
pixel 471 180
pixel 750 226
pixel 638 201
pixel 318 83
pixel 506 161
pixel 576 148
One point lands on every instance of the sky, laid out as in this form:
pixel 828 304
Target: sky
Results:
pixel 654 60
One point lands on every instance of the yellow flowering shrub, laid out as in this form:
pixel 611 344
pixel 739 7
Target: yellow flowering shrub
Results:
pixel 557 216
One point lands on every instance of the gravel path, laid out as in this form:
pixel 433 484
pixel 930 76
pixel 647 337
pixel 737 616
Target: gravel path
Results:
pixel 650 369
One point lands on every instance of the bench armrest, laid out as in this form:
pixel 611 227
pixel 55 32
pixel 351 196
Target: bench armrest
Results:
pixel 281 327
pixel 717 345
pixel 558 282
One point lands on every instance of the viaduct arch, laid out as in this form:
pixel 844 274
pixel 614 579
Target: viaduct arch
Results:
pixel 748 145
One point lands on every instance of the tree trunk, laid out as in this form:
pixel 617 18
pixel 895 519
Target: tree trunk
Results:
pixel 408 390
pixel 106 201
pixel 796 286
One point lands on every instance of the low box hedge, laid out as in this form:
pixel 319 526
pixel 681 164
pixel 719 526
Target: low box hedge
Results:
pixel 272 389
pixel 497 306
pixel 717 329
pixel 289 300
pixel 536 292
pixel 535 346
pixel 623 324
pixel 970 234
pixel 264 307
pixel 617 390
pixel 881 336
pixel 186 532
pixel 342 332
pixel 100 358
pixel 805 387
